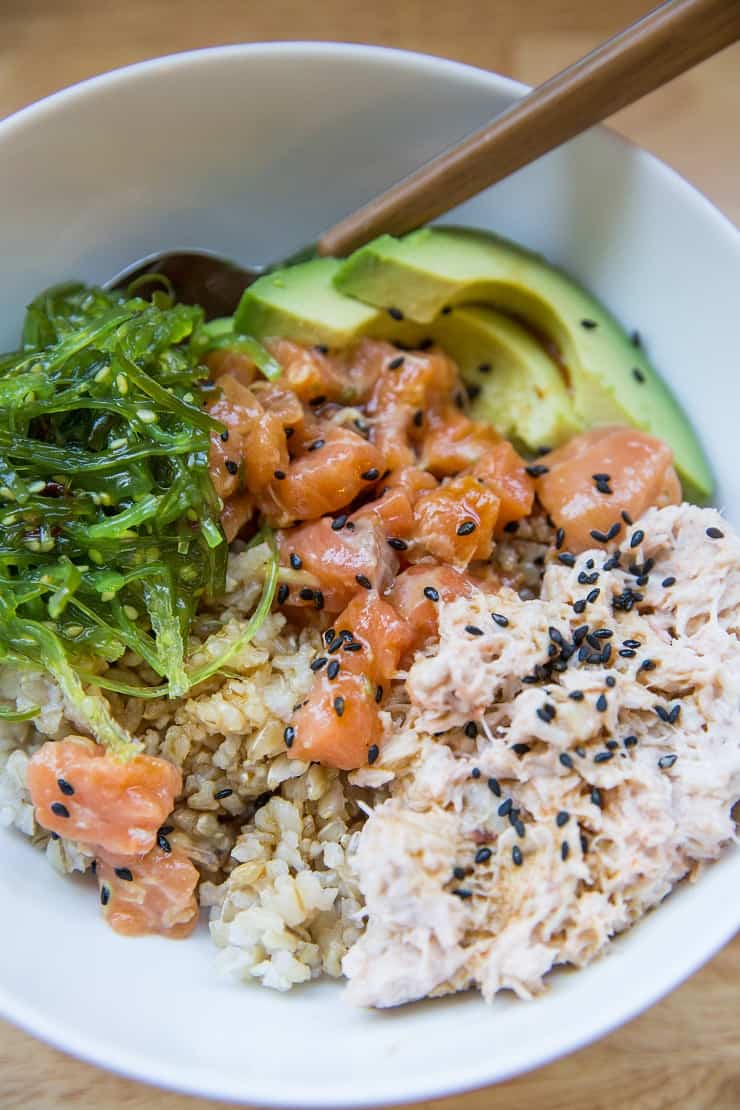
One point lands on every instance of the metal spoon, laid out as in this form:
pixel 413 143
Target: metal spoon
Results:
pixel 667 41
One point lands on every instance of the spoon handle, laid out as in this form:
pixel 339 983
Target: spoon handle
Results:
pixel 669 40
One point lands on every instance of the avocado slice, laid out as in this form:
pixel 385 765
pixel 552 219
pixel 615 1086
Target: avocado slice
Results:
pixel 521 390
pixel 302 303
pixel 611 380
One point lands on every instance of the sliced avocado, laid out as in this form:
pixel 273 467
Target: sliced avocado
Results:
pixel 611 380
pixel 522 392
pixel 302 303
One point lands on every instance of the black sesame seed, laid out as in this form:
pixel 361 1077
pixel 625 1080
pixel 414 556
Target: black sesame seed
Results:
pixel 65 787
pixel 333 669
pixel 289 736
pixel 104 895
pixel 588 324
pixel 59 809
pixel 611 680
pixel 372 753
pixel 125 874
pixel 614 531
pixel 282 594
pixel 579 606
pixel 319 663
pixel 562 818
pixel 339 522
pixel 520 749
pixel 466 528
pixel 378 694
pixel 576 695
pixel 495 787
pixel 632 643
pixel 564 850
pixel 316 445
pixel 458 872
pixel 603 757
pixel 596 797
pixel 431 593
pixel 662 712
pixel 473 630
pixel 371 474
pixel 669 581
pixel 519 827
pixel 566 760
pixel 505 808
pixel 471 731
pixel 225 435
pixel 612 745
pixel 537 470
pixel 592 595
pixel 318 599
pixel 511 527
pixel 295 561
pixel 601 703
pixel 584 844
pixel 516 855
pixel 559 538
pixel 630 741
pixel 600 537
pixel 715 534
pixel 567 559
pixel 279 475
pixel 339 705
pixel 397 545
pixel 353 645
pixel 666 761
pixel 463 894
pixel 647 665
pixel 306 594
pixel 674 714
pixel 231 466
pixel 396 363
pixel 163 843
pixel 626 517
pixel 483 855
pixel 475 773
pixel 225 793
pixel 500 620
pixel 395 313
pixel 580 633
pixel 637 537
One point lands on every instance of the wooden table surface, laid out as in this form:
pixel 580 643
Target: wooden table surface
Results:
pixel 685 1052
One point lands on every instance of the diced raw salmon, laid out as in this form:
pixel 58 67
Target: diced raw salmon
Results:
pixel 599 475
pixel 409 385
pixel 345 560
pixel 255 445
pixel 325 477
pixel 83 793
pixel 314 373
pixel 416 595
pixel 154 893
pixel 453 442
pixel 237 510
pixel 454 523
pixel 503 471
pixel 339 723
pixel 238 365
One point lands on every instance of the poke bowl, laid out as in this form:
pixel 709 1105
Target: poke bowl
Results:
pixel 384 633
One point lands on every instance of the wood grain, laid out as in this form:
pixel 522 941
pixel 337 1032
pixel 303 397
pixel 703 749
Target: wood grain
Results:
pixel 684 1054
pixel 671 39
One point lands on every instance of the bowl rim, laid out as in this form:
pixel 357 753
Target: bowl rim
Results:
pixel 200 1081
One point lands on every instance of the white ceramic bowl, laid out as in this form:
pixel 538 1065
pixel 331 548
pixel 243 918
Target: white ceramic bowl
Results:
pixel 252 151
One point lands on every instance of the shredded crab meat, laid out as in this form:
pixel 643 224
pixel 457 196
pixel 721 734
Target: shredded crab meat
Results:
pixel 546 790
